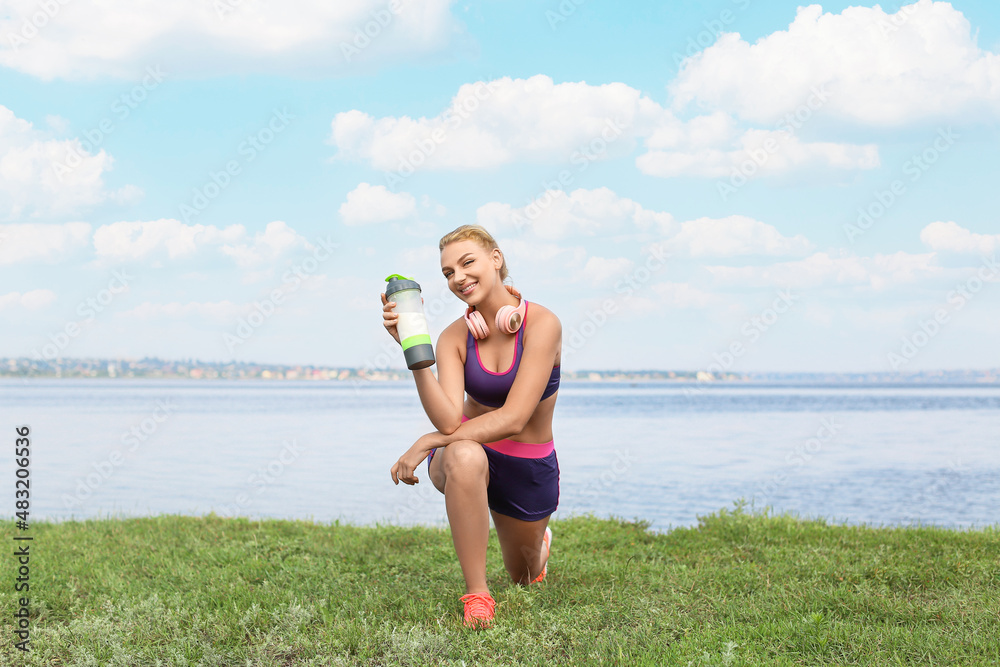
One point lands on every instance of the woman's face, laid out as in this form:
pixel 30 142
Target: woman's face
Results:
pixel 464 264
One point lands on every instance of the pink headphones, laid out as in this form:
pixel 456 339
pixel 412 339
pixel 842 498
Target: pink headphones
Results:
pixel 509 318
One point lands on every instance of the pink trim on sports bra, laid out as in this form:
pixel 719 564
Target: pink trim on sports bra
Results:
pixel 517 341
pixel 491 389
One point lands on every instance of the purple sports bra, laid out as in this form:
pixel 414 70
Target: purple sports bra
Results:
pixel 491 388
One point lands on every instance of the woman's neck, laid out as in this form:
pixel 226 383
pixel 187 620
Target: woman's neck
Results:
pixel 489 306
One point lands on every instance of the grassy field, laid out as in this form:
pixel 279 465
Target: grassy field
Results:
pixel 738 589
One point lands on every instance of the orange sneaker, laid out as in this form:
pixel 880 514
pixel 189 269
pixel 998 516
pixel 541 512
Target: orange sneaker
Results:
pixel 478 609
pixel 547 541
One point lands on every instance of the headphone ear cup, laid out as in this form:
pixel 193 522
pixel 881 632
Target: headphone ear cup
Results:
pixel 504 318
pixel 477 325
pixel 509 318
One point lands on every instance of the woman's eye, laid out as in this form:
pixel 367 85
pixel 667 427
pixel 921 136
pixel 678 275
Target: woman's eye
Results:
pixel 467 262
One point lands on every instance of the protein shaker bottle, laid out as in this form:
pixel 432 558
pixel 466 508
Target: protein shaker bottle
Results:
pixel 411 325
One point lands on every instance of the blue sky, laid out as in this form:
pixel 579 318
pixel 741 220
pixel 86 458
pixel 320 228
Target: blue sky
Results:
pixel 721 186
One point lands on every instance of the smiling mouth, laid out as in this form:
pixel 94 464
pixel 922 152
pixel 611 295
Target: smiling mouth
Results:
pixel 468 288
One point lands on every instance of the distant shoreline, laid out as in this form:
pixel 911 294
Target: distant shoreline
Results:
pixel 154 368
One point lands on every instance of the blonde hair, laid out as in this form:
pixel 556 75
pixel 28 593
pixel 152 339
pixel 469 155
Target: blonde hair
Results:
pixel 478 234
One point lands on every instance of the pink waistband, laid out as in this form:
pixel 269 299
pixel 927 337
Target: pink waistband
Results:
pixel 521 450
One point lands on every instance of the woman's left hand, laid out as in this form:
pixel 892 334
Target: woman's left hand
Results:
pixel 403 470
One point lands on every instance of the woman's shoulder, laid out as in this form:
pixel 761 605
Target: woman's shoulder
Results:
pixel 539 315
pixel 456 331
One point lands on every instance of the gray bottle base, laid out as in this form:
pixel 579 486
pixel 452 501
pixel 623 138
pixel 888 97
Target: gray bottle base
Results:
pixel 419 356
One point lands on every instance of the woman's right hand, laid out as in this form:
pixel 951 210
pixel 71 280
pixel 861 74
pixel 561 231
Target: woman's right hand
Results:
pixel 390 318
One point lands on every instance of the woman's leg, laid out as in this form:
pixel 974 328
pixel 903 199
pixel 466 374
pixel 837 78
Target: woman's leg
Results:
pixel 521 544
pixel 461 472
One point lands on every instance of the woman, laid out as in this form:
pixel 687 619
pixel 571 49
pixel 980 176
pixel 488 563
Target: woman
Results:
pixel 492 452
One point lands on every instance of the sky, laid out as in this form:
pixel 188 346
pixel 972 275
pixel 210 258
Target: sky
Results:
pixel 724 186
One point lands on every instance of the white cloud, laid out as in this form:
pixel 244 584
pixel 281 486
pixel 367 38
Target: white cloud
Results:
pixel 731 236
pixel 528 262
pixel 756 152
pixel 57 123
pixel 33 300
pixel 45 177
pixel 533 262
pixel 368 204
pixel 435 209
pixel 118 38
pixel 601 212
pixel 556 215
pixel 498 122
pixel 604 271
pixel 951 237
pixel 863 65
pixel 821 270
pixel 36 241
pixel 276 240
pixel 130 241
pixel 156 240
pixel 572 124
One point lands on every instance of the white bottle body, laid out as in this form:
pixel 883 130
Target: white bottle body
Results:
pixel 410 312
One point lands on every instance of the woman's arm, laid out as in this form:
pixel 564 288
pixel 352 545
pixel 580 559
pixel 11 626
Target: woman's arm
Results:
pixel 533 374
pixel 443 396
pixel 507 420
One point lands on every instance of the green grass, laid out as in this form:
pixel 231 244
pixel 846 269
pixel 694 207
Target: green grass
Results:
pixel 738 589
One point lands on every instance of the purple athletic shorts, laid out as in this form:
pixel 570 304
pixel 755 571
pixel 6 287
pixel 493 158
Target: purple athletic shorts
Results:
pixel 524 478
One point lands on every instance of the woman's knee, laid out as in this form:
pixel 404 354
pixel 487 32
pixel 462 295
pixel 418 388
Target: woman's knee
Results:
pixel 519 569
pixel 465 457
